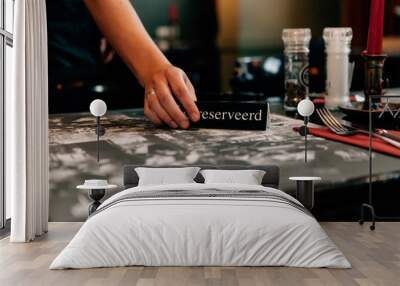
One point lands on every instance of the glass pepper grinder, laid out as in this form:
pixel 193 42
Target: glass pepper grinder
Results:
pixel 297 50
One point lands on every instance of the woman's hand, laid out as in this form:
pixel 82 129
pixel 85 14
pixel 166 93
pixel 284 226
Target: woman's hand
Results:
pixel 165 88
pixel 165 85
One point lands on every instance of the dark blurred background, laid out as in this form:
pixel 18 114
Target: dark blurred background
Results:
pixel 223 45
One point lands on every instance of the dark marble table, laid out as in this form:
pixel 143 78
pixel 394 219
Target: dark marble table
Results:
pixel 131 139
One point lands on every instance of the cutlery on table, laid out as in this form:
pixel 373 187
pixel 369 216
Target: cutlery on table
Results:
pixel 338 128
pixel 386 133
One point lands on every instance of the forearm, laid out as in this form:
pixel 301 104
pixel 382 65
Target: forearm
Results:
pixel 119 22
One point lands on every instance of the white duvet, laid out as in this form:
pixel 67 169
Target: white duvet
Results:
pixel 200 232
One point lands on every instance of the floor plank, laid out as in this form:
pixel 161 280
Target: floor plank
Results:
pixel 375 257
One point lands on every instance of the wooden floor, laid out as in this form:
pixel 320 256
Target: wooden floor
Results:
pixel 375 257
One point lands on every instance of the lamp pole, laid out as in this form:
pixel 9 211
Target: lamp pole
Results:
pixel 98 108
pixel 98 137
pixel 305 137
pixel 305 108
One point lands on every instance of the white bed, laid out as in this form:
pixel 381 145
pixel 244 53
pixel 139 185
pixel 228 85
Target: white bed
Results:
pixel 247 226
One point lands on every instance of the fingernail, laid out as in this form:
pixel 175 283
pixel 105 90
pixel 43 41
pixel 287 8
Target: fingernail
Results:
pixel 195 116
pixel 184 124
pixel 174 125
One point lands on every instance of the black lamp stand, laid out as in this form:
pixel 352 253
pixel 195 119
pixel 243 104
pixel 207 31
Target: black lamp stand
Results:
pixel 100 131
pixel 304 132
pixel 306 119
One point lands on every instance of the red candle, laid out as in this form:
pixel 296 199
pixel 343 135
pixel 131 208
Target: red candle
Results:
pixel 173 13
pixel 376 22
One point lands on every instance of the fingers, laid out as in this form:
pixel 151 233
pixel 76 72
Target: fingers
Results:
pixel 167 102
pixel 184 92
pixel 151 115
pixel 191 88
pixel 155 111
pixel 166 88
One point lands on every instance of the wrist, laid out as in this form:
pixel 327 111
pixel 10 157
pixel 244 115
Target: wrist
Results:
pixel 155 64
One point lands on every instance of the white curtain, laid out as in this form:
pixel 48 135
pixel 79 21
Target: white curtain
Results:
pixel 27 124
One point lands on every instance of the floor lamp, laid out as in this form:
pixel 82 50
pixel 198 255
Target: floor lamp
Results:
pixel 305 108
pixel 98 108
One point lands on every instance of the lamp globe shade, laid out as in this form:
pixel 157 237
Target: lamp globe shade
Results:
pixel 306 108
pixel 98 107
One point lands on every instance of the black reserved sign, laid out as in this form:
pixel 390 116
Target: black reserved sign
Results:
pixel 238 115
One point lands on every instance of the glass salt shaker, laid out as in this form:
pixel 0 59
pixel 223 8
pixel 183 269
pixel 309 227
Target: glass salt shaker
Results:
pixel 297 50
pixel 338 48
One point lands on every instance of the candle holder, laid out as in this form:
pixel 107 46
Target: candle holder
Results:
pixel 374 92
pixel 373 82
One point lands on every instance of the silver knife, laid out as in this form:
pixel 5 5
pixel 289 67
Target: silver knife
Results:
pixel 384 135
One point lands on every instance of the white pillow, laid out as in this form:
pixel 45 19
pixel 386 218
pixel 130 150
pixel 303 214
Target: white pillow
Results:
pixel 247 177
pixel 166 176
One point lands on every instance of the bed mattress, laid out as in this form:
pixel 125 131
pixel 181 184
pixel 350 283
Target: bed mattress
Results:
pixel 201 225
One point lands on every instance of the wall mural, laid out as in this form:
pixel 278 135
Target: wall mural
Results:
pixel 131 139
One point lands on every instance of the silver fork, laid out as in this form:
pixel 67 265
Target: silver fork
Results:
pixel 333 124
pixel 336 127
